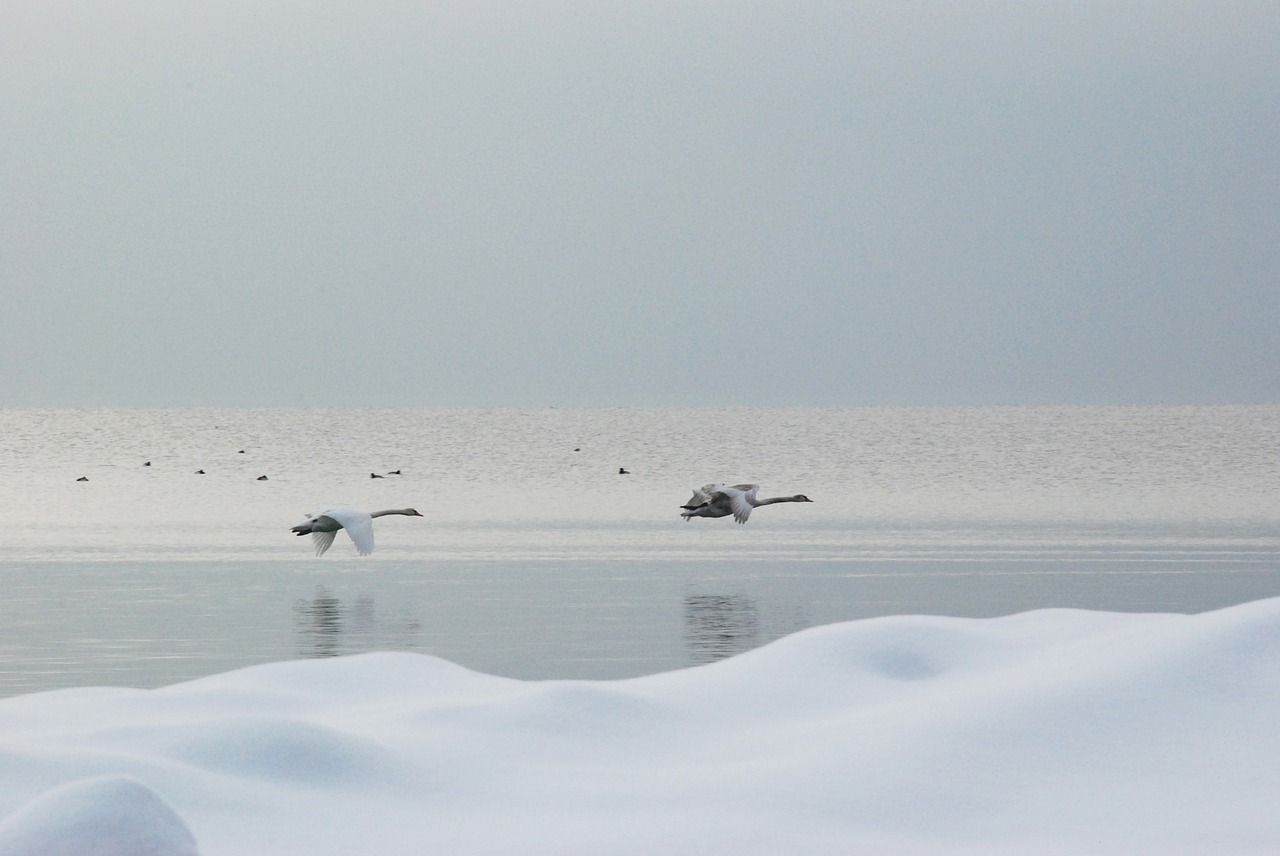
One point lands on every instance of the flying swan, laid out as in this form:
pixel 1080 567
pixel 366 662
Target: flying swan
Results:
pixel 720 500
pixel 322 527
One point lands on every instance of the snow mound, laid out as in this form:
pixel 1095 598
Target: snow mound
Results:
pixel 1054 732
pixel 103 816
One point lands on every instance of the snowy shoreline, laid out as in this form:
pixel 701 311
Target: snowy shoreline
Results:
pixel 1053 731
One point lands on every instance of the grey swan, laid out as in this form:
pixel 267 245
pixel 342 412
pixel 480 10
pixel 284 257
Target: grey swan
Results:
pixel 324 526
pixel 721 500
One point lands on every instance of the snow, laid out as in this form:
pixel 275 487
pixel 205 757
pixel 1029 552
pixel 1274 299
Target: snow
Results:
pixel 1056 731
pixel 106 816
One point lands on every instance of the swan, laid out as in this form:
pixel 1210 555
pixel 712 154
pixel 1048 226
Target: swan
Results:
pixel 359 525
pixel 721 500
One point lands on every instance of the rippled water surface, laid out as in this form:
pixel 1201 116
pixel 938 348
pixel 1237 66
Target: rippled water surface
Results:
pixel 535 558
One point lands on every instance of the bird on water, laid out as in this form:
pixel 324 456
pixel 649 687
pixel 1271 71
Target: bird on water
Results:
pixel 721 500
pixel 324 526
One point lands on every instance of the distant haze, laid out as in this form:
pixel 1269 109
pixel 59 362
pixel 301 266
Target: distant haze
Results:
pixel 660 203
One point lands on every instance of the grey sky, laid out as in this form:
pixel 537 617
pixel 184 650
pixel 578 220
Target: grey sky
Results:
pixel 655 203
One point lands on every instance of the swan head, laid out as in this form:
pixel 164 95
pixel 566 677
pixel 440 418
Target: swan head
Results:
pixel 800 497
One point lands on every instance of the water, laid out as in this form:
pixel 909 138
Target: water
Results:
pixel 536 559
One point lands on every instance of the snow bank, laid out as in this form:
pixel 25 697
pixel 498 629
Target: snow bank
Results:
pixel 105 816
pixel 1051 732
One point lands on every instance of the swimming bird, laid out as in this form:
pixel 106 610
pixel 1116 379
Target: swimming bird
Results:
pixel 623 471
pixel 83 478
pixel 262 478
pixel 322 527
pixel 374 476
pixel 721 500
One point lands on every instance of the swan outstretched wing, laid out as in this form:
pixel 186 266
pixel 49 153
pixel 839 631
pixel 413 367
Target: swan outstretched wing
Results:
pixel 322 541
pixel 739 500
pixel 359 525
pixel 704 495
pixel 362 536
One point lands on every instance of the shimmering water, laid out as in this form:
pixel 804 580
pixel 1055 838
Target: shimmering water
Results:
pixel 536 559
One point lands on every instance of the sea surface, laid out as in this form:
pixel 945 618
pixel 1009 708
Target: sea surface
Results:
pixel 535 558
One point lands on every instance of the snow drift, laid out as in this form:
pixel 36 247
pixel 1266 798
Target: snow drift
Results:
pixel 1054 731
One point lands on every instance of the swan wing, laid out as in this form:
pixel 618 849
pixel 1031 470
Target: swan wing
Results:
pixel 705 494
pixel 362 536
pixel 359 525
pixel 322 541
pixel 739 502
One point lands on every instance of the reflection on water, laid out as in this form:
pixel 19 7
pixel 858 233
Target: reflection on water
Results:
pixel 719 625
pixel 948 511
pixel 317 624
pixel 324 627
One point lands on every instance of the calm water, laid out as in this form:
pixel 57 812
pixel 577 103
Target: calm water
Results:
pixel 536 559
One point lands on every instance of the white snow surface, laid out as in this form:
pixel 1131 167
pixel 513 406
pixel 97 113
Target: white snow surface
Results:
pixel 1056 731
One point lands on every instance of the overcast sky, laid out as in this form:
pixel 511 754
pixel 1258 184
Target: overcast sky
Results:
pixel 652 203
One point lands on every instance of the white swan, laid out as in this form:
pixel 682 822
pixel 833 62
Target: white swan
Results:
pixel 322 527
pixel 721 500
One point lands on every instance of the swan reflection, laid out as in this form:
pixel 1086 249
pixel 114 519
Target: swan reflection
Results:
pixel 317 623
pixel 325 626
pixel 717 626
